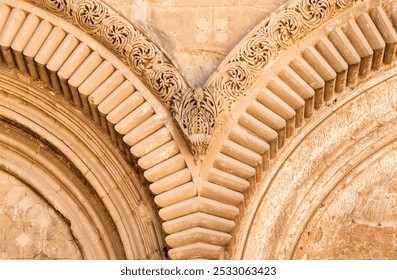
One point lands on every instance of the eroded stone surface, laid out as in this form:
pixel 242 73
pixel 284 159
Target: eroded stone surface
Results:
pixel 29 227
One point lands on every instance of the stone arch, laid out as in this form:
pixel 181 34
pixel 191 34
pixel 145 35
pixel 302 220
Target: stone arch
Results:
pixel 85 72
pixel 316 70
pixel 56 152
pixel 340 202
pixel 235 127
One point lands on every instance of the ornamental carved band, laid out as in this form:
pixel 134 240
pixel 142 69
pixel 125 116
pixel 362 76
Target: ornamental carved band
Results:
pixel 124 40
pixel 197 111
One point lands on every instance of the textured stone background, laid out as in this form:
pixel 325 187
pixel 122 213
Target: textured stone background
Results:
pixel 335 196
pixel 29 227
pixel 196 34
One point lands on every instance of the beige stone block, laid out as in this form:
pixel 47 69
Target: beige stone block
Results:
pixel 171 181
pixel 158 155
pixel 198 219
pixel 233 166
pixel 165 168
pixel 176 195
pixel 228 180
pixel 197 234
pixel 222 194
pixel 150 143
pixel 196 250
pixel 199 204
pixel 15 20
pixel 241 153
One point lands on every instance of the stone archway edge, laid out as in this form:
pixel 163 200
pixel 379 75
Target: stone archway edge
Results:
pixel 195 207
pixel 228 84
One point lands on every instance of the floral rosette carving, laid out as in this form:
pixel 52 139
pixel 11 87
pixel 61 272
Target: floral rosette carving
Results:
pixel 197 111
pixel 89 15
pixel 56 6
pixel 257 52
pixel 164 80
pixel 142 54
pixel 286 28
pixel 116 34
pixel 235 79
pixel 315 12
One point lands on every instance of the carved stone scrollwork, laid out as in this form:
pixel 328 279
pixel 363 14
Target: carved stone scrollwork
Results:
pixel 234 80
pixel 257 52
pixel 162 79
pixel 197 112
pixel 124 40
pixel 315 12
pixel 286 28
pixel 57 6
pixel 115 35
pixel 283 30
pixel 141 54
pixel 90 15
pixel 344 3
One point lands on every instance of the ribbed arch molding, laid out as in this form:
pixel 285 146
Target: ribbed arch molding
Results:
pixel 80 69
pixel 267 89
pixel 48 145
pixel 315 72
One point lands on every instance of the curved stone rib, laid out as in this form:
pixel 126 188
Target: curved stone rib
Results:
pixel 318 68
pixel 98 87
pixel 123 39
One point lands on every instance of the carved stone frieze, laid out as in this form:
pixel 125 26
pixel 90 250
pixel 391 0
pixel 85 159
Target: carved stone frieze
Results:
pixel 284 29
pixel 197 116
pixel 124 40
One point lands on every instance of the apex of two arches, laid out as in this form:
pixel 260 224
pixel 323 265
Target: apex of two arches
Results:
pixel 198 111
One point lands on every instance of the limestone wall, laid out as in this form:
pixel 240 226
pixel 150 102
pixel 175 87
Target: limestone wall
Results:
pixel 29 227
pixel 197 34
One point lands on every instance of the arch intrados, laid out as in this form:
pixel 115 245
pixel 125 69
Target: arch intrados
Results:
pixel 128 205
pixel 192 168
pixel 288 234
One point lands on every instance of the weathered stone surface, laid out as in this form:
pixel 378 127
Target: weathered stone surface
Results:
pixel 29 227
pixel 335 196
pixel 258 100
pixel 197 34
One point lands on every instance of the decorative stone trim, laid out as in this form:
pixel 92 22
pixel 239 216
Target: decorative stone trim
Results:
pixel 232 79
pixel 65 159
pixel 350 53
pixel 199 204
pixel 77 68
pixel 123 39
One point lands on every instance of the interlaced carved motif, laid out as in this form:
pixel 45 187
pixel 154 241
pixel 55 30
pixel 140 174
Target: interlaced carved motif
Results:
pixel 315 12
pixel 161 79
pixel 90 15
pixel 257 52
pixel 56 6
pixel 116 35
pixel 284 29
pixel 197 110
pixel 235 78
